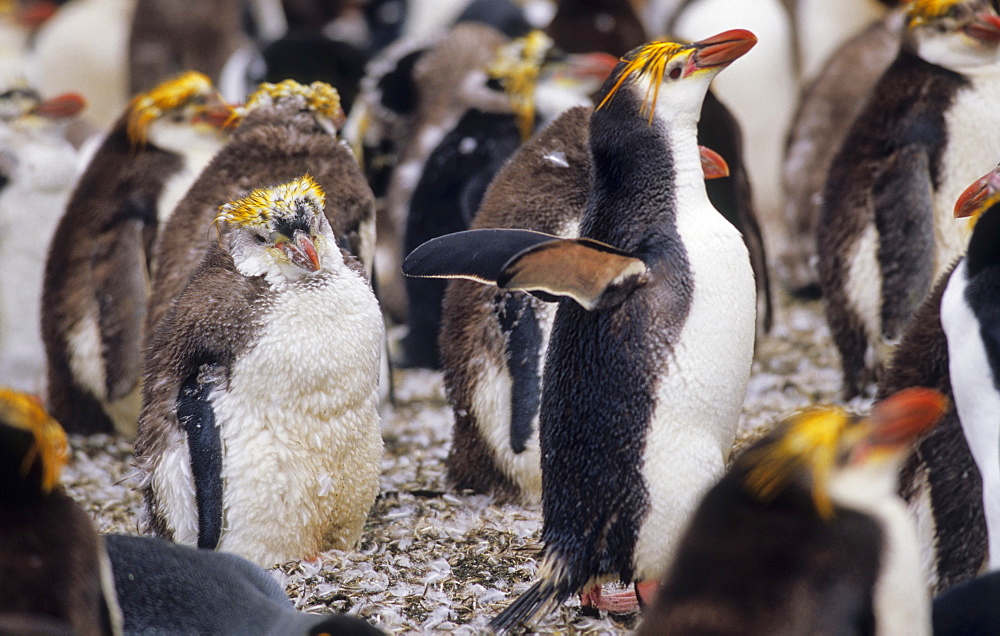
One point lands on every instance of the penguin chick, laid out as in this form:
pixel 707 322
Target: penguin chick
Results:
pixel 886 230
pixel 806 534
pixel 96 275
pixel 168 588
pixel 38 167
pixel 52 562
pixel 628 433
pixel 286 130
pixel 259 433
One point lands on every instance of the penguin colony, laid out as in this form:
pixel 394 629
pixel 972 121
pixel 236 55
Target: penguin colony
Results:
pixel 213 290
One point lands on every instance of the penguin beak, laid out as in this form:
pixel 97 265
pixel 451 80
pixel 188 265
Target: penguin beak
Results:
pixel 302 252
pixel 220 114
pixel 719 51
pixel 897 421
pixel 593 67
pixel 979 196
pixel 985 27
pixel 60 107
pixel 712 164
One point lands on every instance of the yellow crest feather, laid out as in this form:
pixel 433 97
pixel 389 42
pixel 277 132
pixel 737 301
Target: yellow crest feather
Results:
pixel 260 206
pixel 919 12
pixel 649 60
pixel 50 448
pixel 151 105
pixel 517 66
pixel 810 442
pixel 318 97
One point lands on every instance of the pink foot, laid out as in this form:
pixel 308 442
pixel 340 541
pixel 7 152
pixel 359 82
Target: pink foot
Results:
pixel 621 602
pixel 646 591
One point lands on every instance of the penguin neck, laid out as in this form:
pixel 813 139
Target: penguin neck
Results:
pixel 645 174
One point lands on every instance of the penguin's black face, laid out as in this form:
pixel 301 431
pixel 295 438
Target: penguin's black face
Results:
pixel 954 34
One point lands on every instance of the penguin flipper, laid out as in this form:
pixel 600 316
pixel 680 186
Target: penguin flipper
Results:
pixel 904 218
pixel 594 274
pixel 478 255
pixel 197 418
pixel 121 286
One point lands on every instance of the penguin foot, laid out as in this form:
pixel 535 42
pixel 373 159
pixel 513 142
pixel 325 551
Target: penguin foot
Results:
pixel 622 602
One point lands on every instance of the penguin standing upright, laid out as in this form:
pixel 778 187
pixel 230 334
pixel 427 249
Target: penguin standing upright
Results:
pixel 886 229
pixel 644 376
pixel 38 167
pixel 259 433
pixel 286 129
pixel 96 275
pixel 806 534
pixel 55 574
pixel 970 317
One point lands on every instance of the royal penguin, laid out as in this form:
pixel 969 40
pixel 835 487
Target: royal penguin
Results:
pixel 97 270
pixel 163 587
pixel 286 130
pixel 259 431
pixel 629 436
pixel 827 107
pixel 38 167
pixel 806 534
pixel 886 230
pixel 53 566
pixel 823 26
pixel 493 341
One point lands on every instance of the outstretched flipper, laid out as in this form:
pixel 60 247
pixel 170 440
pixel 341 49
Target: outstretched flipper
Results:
pixel 594 274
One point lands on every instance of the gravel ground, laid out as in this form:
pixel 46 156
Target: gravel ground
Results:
pixel 435 560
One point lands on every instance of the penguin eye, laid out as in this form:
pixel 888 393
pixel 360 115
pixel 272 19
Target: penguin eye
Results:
pixel 675 72
pixel 260 239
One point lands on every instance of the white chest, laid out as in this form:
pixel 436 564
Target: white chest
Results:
pixel 973 147
pixel 300 426
pixel 178 183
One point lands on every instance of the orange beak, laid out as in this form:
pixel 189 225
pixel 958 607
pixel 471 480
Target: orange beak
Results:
pixel 61 106
pixel 978 196
pixel 712 164
pixel 302 252
pixel 984 27
pixel 899 419
pixel 720 50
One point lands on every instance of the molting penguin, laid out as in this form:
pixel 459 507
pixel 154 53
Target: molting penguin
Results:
pixel 806 533
pixel 259 433
pixel 827 107
pixel 886 229
pixel 96 276
pixel 493 341
pixel 38 167
pixel 286 130
pixel 627 441
pixel 52 562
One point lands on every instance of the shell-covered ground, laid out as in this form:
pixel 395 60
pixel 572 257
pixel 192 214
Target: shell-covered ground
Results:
pixel 434 560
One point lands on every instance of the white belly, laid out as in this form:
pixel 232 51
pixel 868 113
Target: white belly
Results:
pixel 976 399
pixel 698 401
pixel 300 426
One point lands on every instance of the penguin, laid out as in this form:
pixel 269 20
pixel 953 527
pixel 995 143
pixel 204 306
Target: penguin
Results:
pixel 637 319
pixel 259 430
pixel 806 534
pixel 822 27
pixel 96 272
pixel 38 167
pixel 163 587
pixel 53 566
pixel 970 608
pixel 885 230
pixel 827 107
pixel 286 129
pixel 493 342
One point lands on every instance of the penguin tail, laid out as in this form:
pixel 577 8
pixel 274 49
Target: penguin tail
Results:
pixel 537 598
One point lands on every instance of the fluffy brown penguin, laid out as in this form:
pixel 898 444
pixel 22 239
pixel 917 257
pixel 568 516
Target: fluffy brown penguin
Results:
pixel 886 228
pixel 287 129
pixel 806 534
pixel 827 108
pixel 53 567
pixel 96 276
pixel 259 433
pixel 626 439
